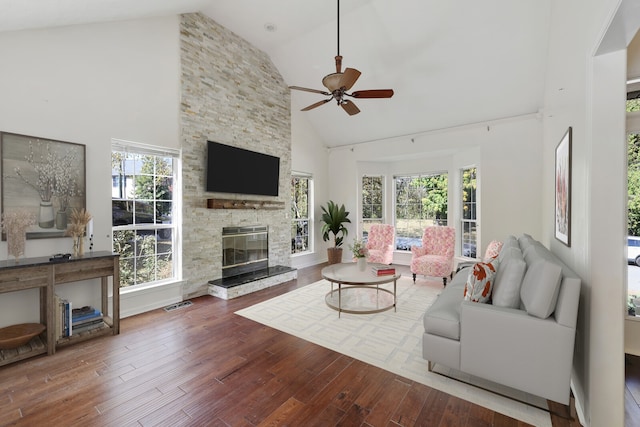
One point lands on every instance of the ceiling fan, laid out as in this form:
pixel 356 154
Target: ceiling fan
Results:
pixel 339 83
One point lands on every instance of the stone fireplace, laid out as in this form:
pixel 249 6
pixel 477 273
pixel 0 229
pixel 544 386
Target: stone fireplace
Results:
pixel 244 250
pixel 245 263
pixel 212 109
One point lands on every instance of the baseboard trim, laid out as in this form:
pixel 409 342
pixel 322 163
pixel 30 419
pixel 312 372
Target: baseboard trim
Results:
pixel 139 301
pixel 579 406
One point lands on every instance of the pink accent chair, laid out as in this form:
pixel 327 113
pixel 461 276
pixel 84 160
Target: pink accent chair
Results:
pixel 435 257
pixel 380 243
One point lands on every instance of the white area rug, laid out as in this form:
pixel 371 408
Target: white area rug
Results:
pixel 389 340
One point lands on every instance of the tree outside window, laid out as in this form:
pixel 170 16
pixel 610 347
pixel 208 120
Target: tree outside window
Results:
pixel 300 214
pixel 421 201
pixel 633 211
pixel 372 199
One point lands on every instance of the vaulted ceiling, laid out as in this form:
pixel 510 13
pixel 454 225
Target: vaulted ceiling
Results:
pixel 450 63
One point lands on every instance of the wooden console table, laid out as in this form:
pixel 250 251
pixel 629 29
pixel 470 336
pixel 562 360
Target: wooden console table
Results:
pixel 40 273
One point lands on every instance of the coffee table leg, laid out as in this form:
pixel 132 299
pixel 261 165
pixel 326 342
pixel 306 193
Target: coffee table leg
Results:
pixel 339 299
pixel 395 306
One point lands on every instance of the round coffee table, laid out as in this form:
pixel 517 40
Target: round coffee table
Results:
pixel 349 274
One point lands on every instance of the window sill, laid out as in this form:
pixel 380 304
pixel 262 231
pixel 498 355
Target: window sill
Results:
pixel 150 287
pixel 298 254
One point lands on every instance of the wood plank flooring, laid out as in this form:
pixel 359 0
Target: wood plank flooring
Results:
pixel 205 366
pixel 632 390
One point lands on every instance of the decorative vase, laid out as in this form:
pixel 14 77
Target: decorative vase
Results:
pixel 78 246
pixel 15 242
pixel 362 264
pixel 46 216
pixel 61 220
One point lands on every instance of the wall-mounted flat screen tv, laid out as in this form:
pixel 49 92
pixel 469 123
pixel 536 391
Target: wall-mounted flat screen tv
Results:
pixel 236 170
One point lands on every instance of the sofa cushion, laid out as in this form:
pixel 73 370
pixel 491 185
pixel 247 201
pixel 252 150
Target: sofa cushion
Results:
pixel 540 286
pixel 525 241
pixel 510 242
pixel 443 317
pixel 480 281
pixel 506 285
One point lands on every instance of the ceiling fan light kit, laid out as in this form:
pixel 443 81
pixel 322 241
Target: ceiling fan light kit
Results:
pixel 339 83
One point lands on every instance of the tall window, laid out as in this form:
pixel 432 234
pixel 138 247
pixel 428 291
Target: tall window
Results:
pixel 421 201
pixel 469 211
pixel 144 209
pixel 301 186
pixel 633 206
pixel 372 198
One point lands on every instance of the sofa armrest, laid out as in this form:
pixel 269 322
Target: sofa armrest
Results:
pixel 510 347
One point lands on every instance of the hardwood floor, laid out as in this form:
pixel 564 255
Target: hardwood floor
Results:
pixel 205 366
pixel 632 390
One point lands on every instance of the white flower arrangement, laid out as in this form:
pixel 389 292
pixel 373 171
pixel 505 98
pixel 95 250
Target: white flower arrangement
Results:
pixel 65 184
pixel 359 249
pixel 54 174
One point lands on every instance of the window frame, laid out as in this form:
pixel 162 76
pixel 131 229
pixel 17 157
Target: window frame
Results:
pixel 308 218
pixel 173 228
pixel 368 221
pixel 469 225
pixel 417 241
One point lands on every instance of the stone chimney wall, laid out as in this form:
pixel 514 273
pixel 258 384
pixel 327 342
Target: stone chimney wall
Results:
pixel 232 94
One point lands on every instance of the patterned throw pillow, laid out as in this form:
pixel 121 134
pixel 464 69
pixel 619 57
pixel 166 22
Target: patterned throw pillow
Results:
pixel 480 281
pixel 493 250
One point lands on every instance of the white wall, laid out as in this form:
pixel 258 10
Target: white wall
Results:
pixel 309 155
pixel 586 90
pixel 508 153
pixel 88 84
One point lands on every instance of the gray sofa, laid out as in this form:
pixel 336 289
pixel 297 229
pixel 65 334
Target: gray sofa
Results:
pixel 525 338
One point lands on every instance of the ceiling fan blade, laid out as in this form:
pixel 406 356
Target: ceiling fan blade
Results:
pixel 349 78
pixel 375 93
pixel 317 104
pixel 306 89
pixel 350 107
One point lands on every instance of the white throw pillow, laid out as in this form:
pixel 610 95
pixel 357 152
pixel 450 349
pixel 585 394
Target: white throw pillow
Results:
pixel 540 287
pixel 506 286
pixel 510 242
pixel 480 282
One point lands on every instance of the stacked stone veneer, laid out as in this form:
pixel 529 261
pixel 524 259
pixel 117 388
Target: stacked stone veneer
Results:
pixel 233 94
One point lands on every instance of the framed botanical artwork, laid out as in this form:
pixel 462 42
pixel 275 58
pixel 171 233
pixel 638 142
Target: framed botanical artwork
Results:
pixel 42 177
pixel 563 189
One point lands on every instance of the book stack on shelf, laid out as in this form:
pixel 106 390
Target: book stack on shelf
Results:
pixel 71 321
pixel 383 270
pixel 86 319
pixel 63 317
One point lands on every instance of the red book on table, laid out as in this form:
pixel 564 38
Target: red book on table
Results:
pixel 383 271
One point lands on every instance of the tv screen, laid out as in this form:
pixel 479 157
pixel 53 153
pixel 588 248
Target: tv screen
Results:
pixel 236 170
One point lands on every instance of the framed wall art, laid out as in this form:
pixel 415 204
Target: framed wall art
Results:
pixel 563 189
pixel 42 177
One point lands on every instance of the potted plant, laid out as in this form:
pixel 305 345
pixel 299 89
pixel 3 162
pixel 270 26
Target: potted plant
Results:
pixel 631 306
pixel 334 218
